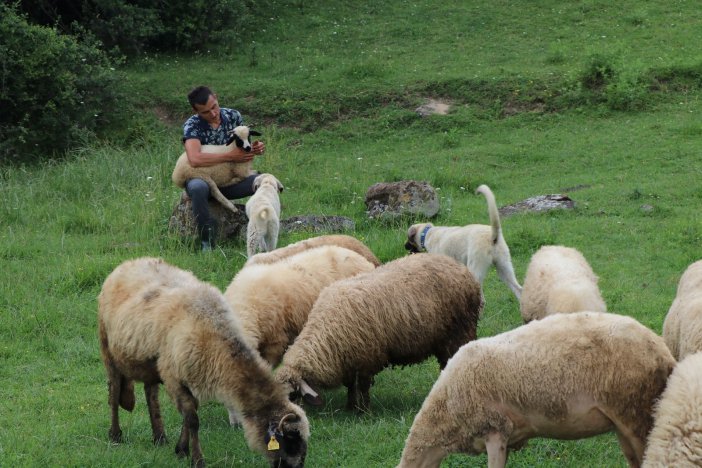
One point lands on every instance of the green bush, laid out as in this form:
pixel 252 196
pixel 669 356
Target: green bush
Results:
pixel 135 26
pixel 56 92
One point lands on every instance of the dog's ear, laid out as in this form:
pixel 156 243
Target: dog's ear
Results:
pixel 280 186
pixel 412 233
pixel 254 133
pixel 256 183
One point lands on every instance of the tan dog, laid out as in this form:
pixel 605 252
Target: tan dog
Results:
pixel 263 211
pixel 476 245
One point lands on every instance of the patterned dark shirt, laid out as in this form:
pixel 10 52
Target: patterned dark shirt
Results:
pixel 197 127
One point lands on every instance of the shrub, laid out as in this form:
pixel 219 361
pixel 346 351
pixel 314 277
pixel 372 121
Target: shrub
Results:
pixel 55 92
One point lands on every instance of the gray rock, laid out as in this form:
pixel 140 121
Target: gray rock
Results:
pixel 230 225
pixel 317 223
pixel 408 197
pixel 539 203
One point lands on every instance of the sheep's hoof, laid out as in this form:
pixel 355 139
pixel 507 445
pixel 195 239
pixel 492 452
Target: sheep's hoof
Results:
pixel 182 452
pixel 160 439
pixel 200 463
pixel 115 436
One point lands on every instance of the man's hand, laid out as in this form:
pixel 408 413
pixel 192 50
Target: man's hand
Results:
pixel 258 147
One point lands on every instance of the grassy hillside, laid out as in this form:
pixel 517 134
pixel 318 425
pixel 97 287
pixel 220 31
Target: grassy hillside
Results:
pixel 597 101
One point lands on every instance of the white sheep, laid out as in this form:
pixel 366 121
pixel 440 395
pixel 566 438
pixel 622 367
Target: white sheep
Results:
pixel 676 437
pixel 272 301
pixel 559 279
pixel 400 313
pixel 682 328
pixel 566 376
pixel 341 240
pixel 160 324
pixel 222 174
pixel 263 211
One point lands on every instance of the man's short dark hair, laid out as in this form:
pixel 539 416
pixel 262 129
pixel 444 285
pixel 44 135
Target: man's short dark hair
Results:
pixel 199 96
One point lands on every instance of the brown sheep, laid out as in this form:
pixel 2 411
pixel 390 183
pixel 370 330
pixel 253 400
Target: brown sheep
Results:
pixel 676 437
pixel 566 376
pixel 682 328
pixel 341 240
pixel 159 324
pixel 400 313
pixel 559 280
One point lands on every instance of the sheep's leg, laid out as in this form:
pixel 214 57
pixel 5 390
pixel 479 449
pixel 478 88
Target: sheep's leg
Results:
pixel 496 446
pixel 352 393
pixel 114 388
pixel 187 406
pixel 214 191
pixel 364 384
pixel 159 434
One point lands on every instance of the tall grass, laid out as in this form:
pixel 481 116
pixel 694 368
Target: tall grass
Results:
pixel 333 88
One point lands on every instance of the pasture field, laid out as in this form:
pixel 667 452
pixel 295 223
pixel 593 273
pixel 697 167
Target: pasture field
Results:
pixel 594 100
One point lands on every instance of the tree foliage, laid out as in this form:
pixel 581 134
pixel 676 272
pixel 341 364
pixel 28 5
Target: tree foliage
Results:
pixel 55 91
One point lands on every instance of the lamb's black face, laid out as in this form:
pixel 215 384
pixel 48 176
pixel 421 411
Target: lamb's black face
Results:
pixel 291 449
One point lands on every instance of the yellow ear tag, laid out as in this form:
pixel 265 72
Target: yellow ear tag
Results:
pixel 273 444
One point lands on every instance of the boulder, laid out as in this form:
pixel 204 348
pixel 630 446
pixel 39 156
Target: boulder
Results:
pixel 408 197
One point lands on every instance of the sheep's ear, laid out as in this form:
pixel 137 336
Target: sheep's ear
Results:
pixel 254 133
pixel 309 395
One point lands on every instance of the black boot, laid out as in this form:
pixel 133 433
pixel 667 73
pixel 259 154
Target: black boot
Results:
pixel 208 238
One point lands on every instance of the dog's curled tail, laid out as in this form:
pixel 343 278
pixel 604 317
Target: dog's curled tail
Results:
pixel 492 211
pixel 264 214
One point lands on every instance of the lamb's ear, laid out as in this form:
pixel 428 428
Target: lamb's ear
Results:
pixel 309 395
pixel 254 133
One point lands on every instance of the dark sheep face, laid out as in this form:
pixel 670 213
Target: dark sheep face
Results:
pixel 286 447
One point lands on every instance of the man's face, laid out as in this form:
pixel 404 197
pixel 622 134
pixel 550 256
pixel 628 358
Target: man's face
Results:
pixel 209 111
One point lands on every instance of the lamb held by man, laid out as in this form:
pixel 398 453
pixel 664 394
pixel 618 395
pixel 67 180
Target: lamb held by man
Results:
pixel 263 211
pixel 566 376
pixel 160 324
pixel 559 280
pixel 477 246
pixel 401 313
pixel 222 174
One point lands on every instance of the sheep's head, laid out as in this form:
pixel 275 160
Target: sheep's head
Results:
pixel 241 136
pixel 295 386
pixel 286 439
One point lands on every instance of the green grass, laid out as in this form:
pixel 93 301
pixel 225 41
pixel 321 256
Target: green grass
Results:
pixel 333 90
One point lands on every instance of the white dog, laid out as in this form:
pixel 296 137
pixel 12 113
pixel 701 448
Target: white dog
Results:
pixel 476 245
pixel 263 211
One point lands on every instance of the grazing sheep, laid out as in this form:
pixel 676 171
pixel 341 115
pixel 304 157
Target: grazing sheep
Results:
pixel 272 301
pixel 160 324
pixel 263 211
pixel 559 279
pixel 341 240
pixel 566 376
pixel 222 174
pixel 676 437
pixel 400 313
pixel 475 245
pixel 682 328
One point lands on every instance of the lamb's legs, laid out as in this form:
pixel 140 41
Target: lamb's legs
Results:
pixel 214 191
pixel 364 384
pixel 115 386
pixel 352 393
pixel 187 406
pixel 151 392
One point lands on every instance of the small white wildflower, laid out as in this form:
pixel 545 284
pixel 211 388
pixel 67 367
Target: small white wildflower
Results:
pixel 463 188
pixel 360 159
pixel 149 178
